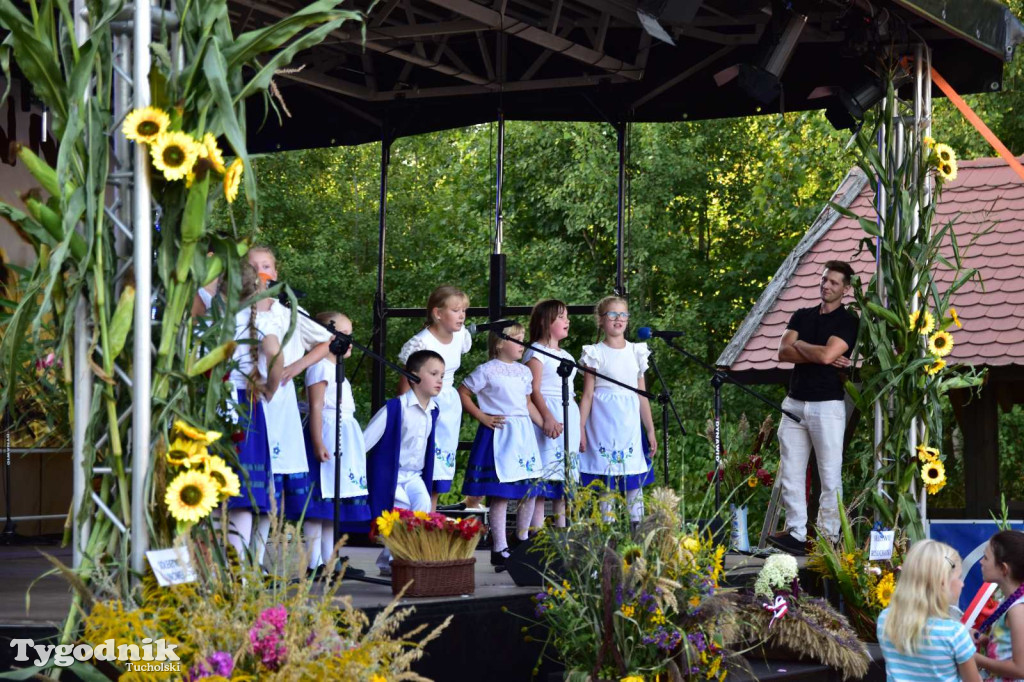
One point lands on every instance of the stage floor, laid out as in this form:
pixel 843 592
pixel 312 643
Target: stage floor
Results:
pixel 22 571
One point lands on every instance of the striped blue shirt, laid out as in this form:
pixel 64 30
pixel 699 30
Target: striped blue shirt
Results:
pixel 945 643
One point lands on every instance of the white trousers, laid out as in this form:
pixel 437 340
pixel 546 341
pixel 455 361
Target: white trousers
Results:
pixel 822 426
pixel 410 493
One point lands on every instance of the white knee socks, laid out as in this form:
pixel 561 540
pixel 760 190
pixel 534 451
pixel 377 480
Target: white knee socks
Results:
pixel 499 508
pixel 524 516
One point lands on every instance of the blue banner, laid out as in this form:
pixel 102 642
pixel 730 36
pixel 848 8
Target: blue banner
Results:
pixel 969 538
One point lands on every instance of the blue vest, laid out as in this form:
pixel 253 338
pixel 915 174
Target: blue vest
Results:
pixel 382 460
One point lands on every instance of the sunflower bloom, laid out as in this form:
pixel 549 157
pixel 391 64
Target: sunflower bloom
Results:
pixel 883 591
pixel 191 496
pixel 935 367
pixel 209 150
pixel 940 344
pixel 944 153
pixel 947 171
pixel 956 318
pixel 927 454
pixel 145 125
pixel 933 489
pixel 190 432
pixel 232 179
pixel 174 154
pixel 928 141
pixel 933 473
pixel 922 327
pixel 227 481
pixel 752 482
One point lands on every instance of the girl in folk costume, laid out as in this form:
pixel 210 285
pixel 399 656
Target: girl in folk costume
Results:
pixel 613 417
pixel 284 423
pixel 505 461
pixel 256 376
pixel 1001 636
pixel 919 638
pixel 446 335
pixel 315 504
pixel 549 326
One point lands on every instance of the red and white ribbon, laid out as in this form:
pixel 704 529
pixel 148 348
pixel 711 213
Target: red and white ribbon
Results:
pixel 778 609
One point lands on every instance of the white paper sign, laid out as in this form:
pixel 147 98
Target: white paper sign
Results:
pixel 171 566
pixel 881 545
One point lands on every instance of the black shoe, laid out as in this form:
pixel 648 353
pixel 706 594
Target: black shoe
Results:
pixel 315 574
pixel 498 558
pixel 350 570
pixel 788 544
pixel 458 506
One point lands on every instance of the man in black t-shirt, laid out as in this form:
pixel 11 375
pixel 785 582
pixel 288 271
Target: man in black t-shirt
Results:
pixel 819 342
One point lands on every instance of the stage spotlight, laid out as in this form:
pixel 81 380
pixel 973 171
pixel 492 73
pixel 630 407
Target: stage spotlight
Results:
pixel 654 13
pixel 763 81
pixel 847 108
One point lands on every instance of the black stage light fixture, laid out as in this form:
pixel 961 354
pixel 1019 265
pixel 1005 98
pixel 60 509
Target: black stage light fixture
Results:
pixel 655 14
pixel 763 81
pixel 847 107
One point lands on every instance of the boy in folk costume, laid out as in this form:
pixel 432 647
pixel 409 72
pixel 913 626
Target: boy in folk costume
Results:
pixel 400 445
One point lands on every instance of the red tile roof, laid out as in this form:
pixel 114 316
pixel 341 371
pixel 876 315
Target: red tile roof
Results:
pixel 987 195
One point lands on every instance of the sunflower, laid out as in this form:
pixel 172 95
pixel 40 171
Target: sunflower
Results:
pixel 947 171
pixel 932 489
pixel 927 454
pixel 227 481
pixel 174 154
pixel 928 141
pixel 190 432
pixel 630 553
pixel 940 344
pixel 933 473
pixel 209 150
pixel 944 153
pixel 956 318
pixel 883 591
pixel 935 367
pixel 232 179
pixel 926 326
pixel 191 496
pixel 752 482
pixel 186 452
pixel 145 125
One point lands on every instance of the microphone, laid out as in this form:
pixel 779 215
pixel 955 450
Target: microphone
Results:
pixel 497 325
pixel 644 333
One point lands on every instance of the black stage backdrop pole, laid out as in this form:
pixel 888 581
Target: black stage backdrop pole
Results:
pixel 565 371
pixel 620 283
pixel 380 306
pixel 496 294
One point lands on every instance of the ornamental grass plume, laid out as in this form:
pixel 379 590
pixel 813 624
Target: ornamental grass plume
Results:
pixel 422 536
pixel 235 623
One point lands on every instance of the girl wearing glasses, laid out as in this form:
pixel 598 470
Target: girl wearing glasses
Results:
pixel 613 417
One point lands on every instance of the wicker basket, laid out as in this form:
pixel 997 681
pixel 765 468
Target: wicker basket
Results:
pixel 433 578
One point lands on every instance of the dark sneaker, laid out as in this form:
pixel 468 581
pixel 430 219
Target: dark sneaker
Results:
pixel 350 570
pixel 788 544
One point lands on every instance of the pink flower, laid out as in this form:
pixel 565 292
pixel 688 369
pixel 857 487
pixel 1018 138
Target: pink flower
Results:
pixel 266 634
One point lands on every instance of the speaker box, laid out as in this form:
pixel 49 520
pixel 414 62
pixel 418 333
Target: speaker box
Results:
pixel 526 566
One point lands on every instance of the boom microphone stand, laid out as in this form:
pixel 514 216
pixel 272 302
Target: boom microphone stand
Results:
pixel 718 377
pixel 340 344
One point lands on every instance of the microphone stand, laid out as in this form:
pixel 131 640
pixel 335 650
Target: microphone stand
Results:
pixel 565 368
pixel 665 400
pixel 340 343
pixel 718 377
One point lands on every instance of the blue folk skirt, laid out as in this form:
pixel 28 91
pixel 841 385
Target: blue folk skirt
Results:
pixel 253 457
pixel 482 476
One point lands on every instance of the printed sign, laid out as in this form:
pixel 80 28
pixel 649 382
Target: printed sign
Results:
pixel 171 566
pixel 969 538
pixel 881 545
